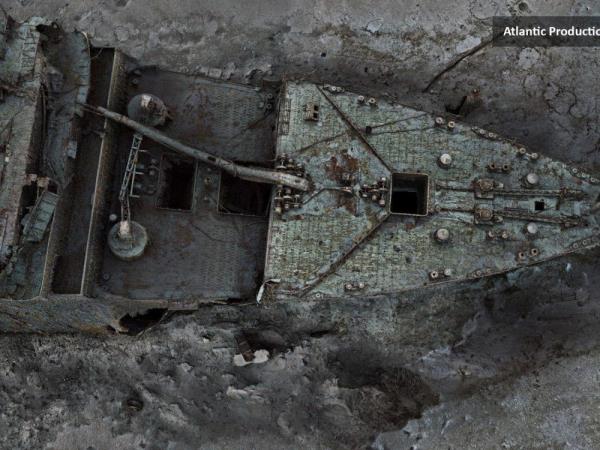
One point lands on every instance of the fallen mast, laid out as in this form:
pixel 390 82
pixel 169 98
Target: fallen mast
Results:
pixel 255 174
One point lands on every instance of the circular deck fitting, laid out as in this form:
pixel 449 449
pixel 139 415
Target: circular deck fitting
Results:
pixel 439 121
pixel 531 228
pixel 534 252
pixel 485 184
pixel 445 160
pixel 532 179
pixel 451 124
pixel 127 240
pixel 442 235
pixel 434 275
pixel 484 214
pixel 447 272
pixel 147 109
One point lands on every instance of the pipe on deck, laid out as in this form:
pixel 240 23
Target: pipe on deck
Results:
pixel 256 174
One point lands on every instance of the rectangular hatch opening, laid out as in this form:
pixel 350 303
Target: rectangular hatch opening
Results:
pixel 243 197
pixel 176 187
pixel 410 193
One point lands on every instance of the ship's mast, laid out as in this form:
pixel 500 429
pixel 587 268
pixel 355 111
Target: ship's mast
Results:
pixel 256 174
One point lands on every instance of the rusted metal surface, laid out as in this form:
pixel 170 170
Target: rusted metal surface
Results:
pixel 324 250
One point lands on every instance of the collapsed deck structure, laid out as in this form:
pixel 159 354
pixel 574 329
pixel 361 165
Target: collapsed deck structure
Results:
pixel 128 191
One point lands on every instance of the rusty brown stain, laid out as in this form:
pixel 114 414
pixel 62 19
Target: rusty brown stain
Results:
pixel 352 164
pixel 335 170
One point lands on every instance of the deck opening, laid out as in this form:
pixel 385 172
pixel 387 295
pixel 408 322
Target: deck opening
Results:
pixel 540 205
pixel 237 196
pixel 28 198
pixel 136 323
pixel 176 188
pixel 410 193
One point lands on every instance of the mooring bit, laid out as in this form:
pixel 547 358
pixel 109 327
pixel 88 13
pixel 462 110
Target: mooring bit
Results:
pixel 255 174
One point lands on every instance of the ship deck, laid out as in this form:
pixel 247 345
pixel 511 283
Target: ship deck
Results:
pixel 207 232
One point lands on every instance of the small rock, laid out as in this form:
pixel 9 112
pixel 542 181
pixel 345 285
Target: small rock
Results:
pixel 374 26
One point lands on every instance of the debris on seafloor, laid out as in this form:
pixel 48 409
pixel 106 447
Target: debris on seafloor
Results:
pixel 258 357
